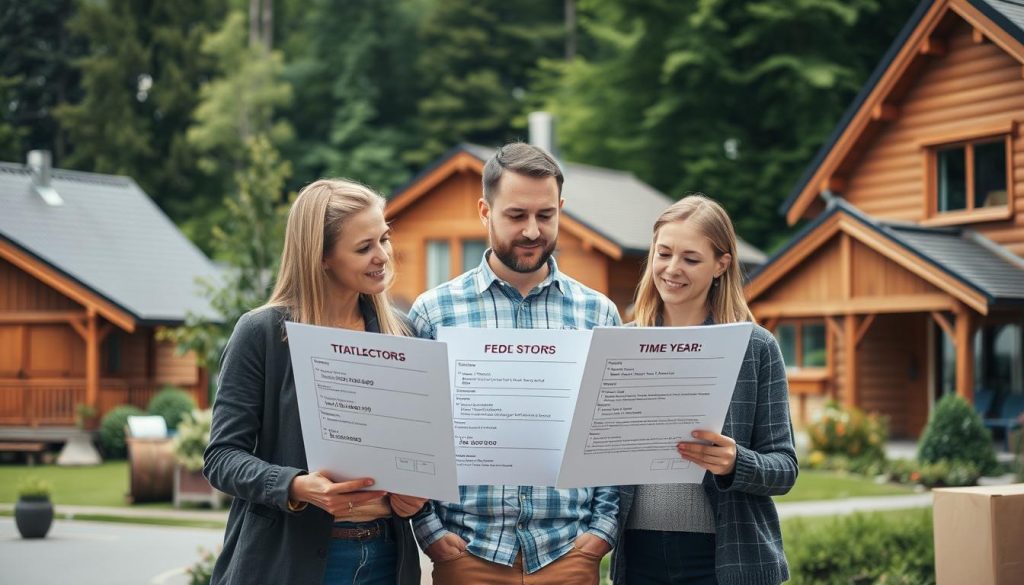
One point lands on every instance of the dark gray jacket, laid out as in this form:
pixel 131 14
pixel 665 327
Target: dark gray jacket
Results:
pixel 256 450
pixel 748 539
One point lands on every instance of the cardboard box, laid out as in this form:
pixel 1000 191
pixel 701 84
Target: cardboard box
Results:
pixel 979 535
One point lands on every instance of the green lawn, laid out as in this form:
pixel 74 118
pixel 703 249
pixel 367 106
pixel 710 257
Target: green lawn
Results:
pixel 102 485
pixel 828 485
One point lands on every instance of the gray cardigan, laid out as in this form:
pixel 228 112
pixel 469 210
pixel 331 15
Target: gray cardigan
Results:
pixel 256 450
pixel 748 538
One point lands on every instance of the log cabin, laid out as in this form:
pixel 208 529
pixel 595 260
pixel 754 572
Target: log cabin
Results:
pixel 907 281
pixel 603 239
pixel 89 269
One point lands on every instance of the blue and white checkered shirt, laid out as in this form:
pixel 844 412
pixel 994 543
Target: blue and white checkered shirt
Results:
pixel 499 521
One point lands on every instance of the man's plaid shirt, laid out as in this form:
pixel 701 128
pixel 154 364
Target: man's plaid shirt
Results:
pixel 498 521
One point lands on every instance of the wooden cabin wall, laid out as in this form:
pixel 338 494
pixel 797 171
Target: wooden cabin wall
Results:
pixel 892 367
pixel 972 86
pixel 817 279
pixel 449 212
pixel 20 291
pixel 623 277
pixel 590 267
pixel 171 368
pixel 875 275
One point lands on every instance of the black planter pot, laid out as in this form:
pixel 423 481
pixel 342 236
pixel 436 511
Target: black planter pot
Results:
pixel 33 517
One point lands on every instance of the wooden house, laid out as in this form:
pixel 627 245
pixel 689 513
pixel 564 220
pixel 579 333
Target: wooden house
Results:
pixel 907 283
pixel 89 269
pixel 603 239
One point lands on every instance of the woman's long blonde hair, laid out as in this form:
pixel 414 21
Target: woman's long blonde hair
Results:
pixel 315 223
pixel 725 299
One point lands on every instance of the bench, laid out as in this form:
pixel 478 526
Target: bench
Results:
pixel 30 449
pixel 1008 418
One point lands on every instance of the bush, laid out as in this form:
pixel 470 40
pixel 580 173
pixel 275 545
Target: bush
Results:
pixel 862 548
pixel 202 571
pixel 112 430
pixel 850 433
pixel 32 487
pixel 192 438
pixel 956 434
pixel 172 404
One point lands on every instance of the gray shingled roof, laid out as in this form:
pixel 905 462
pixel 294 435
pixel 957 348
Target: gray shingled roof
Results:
pixel 617 205
pixel 1013 10
pixel 108 236
pixel 969 256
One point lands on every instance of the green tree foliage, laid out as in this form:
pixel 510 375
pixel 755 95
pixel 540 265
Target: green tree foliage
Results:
pixel 249 241
pixel 475 67
pixel 729 98
pixel 36 74
pixel 351 65
pixel 955 433
pixel 140 78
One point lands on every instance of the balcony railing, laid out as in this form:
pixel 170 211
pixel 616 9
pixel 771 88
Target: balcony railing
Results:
pixel 52 401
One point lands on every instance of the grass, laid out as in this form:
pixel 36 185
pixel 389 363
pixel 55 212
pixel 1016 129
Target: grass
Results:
pixel 829 485
pixel 101 485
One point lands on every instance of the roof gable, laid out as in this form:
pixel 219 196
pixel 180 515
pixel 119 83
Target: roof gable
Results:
pixel 1000 21
pixel 108 238
pixel 960 263
pixel 612 210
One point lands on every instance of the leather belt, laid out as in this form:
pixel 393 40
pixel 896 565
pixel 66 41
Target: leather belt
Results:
pixel 368 533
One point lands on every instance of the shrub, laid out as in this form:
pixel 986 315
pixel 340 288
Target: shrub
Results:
pixel 202 571
pixel 955 433
pixel 32 487
pixel 172 404
pixel 192 438
pixel 862 548
pixel 850 433
pixel 112 430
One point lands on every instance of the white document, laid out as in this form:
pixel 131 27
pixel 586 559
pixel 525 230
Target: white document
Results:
pixel 644 390
pixel 375 406
pixel 513 392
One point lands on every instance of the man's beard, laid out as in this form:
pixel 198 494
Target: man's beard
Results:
pixel 508 257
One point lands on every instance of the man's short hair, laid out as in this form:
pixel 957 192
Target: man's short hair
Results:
pixel 521 158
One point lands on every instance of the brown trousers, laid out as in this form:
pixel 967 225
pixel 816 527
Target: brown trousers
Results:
pixel 574 568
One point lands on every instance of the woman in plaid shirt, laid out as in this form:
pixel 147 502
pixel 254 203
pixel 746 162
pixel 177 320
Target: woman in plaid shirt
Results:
pixel 726 529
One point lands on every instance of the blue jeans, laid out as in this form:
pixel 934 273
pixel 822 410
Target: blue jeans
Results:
pixel 362 562
pixel 669 558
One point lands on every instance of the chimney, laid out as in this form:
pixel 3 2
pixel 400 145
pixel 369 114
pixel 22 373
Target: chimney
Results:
pixel 542 131
pixel 40 168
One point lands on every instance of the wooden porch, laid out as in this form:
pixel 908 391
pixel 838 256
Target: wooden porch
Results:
pixel 51 402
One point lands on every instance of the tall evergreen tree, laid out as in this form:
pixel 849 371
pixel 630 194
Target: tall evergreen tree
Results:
pixel 140 82
pixel 36 74
pixel 475 65
pixel 352 67
pixel 730 98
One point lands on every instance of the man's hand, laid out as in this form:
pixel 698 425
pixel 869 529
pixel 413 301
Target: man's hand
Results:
pixel 337 499
pixel 591 544
pixel 450 546
pixel 405 506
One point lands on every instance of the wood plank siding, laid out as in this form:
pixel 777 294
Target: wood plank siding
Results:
pixel 449 212
pixel 972 88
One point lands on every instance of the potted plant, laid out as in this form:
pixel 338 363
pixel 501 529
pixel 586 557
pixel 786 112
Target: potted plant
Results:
pixel 86 417
pixel 188 447
pixel 34 512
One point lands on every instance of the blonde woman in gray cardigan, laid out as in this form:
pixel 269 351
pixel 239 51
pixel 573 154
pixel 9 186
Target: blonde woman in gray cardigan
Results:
pixel 288 523
pixel 724 530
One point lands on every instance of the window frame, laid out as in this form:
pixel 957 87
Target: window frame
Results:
pixel 798 347
pixel 970 214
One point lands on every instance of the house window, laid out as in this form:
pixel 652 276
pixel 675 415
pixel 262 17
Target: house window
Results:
pixel 803 344
pixel 438 262
pixel 472 253
pixel 971 176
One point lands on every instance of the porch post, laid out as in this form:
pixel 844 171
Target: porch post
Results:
pixel 964 353
pixel 92 360
pixel 851 396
